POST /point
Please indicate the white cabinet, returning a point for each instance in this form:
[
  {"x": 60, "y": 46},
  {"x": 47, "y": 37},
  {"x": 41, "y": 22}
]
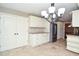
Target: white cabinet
[
  {"x": 14, "y": 31},
  {"x": 8, "y": 30},
  {"x": 75, "y": 18},
  {"x": 36, "y": 22},
  {"x": 38, "y": 39},
  {"x": 38, "y": 31},
  {"x": 22, "y": 31},
  {"x": 73, "y": 43}
]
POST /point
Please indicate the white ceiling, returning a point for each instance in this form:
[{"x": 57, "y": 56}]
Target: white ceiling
[{"x": 36, "y": 8}]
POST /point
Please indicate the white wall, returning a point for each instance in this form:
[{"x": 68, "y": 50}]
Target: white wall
[
  {"x": 0, "y": 33},
  {"x": 60, "y": 30}
]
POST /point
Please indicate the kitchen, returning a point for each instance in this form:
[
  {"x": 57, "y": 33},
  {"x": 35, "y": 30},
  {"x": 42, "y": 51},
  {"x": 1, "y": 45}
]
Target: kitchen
[{"x": 72, "y": 31}]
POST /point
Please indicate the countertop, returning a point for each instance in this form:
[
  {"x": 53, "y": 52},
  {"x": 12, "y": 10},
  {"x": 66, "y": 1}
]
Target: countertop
[
  {"x": 38, "y": 32},
  {"x": 72, "y": 35}
]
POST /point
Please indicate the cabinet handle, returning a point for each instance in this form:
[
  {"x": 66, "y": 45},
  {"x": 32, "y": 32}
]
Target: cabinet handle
[
  {"x": 14, "y": 33},
  {"x": 17, "y": 33}
]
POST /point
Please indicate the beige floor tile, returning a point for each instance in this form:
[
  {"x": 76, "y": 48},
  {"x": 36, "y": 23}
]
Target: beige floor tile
[{"x": 49, "y": 49}]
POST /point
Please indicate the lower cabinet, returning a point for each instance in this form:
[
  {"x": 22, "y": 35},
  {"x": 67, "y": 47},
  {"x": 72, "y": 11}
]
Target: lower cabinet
[
  {"x": 73, "y": 43},
  {"x": 38, "y": 39}
]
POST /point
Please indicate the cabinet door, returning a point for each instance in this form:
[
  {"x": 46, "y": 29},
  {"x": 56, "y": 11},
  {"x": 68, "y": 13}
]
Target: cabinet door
[
  {"x": 22, "y": 31},
  {"x": 38, "y": 39},
  {"x": 36, "y": 22},
  {"x": 8, "y": 40},
  {"x": 75, "y": 18}
]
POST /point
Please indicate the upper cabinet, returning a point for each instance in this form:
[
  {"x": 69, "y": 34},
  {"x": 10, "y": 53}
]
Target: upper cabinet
[
  {"x": 36, "y": 22},
  {"x": 75, "y": 18},
  {"x": 39, "y": 23}
]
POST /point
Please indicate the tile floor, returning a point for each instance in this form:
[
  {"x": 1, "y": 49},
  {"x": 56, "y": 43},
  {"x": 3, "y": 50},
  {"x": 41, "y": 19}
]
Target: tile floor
[{"x": 49, "y": 49}]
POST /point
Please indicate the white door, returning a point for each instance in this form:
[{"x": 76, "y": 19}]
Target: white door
[
  {"x": 22, "y": 31},
  {"x": 9, "y": 30}
]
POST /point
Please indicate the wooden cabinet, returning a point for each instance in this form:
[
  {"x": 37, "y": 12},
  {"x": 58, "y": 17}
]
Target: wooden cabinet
[
  {"x": 14, "y": 31},
  {"x": 69, "y": 30},
  {"x": 75, "y": 18}
]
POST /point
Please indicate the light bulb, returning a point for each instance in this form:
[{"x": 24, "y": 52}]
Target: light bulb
[
  {"x": 61, "y": 11},
  {"x": 46, "y": 15},
  {"x": 54, "y": 15},
  {"x": 43, "y": 13},
  {"x": 51, "y": 9}
]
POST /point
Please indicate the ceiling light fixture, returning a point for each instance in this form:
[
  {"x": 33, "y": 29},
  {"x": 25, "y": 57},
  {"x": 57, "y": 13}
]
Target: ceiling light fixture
[{"x": 53, "y": 14}]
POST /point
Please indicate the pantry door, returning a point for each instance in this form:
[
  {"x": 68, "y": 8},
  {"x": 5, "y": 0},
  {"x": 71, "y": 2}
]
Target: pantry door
[
  {"x": 9, "y": 32},
  {"x": 22, "y": 31}
]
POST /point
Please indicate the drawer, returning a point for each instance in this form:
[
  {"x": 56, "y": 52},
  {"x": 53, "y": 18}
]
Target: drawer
[
  {"x": 73, "y": 49},
  {"x": 73, "y": 44},
  {"x": 38, "y": 39},
  {"x": 73, "y": 38}
]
